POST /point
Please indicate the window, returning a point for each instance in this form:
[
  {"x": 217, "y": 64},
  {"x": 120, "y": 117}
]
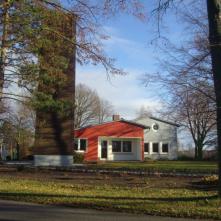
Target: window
[
  {"x": 127, "y": 146},
  {"x": 83, "y": 144},
  {"x": 155, "y": 127},
  {"x": 80, "y": 144},
  {"x": 116, "y": 146},
  {"x": 155, "y": 147},
  {"x": 165, "y": 148},
  {"x": 146, "y": 147},
  {"x": 121, "y": 146},
  {"x": 75, "y": 144}
]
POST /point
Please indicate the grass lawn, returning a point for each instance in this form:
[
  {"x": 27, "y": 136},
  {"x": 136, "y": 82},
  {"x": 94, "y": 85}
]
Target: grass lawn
[
  {"x": 192, "y": 166},
  {"x": 150, "y": 195}
]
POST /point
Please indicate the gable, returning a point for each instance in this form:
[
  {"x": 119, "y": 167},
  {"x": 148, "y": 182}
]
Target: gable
[
  {"x": 148, "y": 121},
  {"x": 112, "y": 129}
]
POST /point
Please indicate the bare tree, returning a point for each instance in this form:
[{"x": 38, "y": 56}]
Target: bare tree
[
  {"x": 4, "y": 27},
  {"x": 189, "y": 65},
  {"x": 197, "y": 114},
  {"x": 214, "y": 21},
  {"x": 90, "y": 108},
  {"x": 104, "y": 110},
  {"x": 23, "y": 122},
  {"x": 17, "y": 130},
  {"x": 144, "y": 111},
  {"x": 86, "y": 102},
  {"x": 187, "y": 80},
  {"x": 214, "y": 18}
]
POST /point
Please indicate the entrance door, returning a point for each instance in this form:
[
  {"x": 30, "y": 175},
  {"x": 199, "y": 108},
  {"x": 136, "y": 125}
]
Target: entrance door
[{"x": 104, "y": 149}]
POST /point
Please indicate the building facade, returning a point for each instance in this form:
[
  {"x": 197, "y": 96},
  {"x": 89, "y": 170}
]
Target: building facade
[
  {"x": 160, "y": 141},
  {"x": 122, "y": 140},
  {"x": 119, "y": 140}
]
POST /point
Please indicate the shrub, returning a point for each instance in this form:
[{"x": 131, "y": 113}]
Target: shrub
[
  {"x": 78, "y": 157},
  {"x": 210, "y": 180},
  {"x": 163, "y": 159},
  {"x": 149, "y": 159},
  {"x": 185, "y": 158}
]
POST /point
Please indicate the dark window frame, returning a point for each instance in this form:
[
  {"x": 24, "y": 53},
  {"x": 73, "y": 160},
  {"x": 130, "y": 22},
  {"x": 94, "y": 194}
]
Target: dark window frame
[
  {"x": 147, "y": 147},
  {"x": 130, "y": 146},
  {"x": 121, "y": 147},
  {"x": 166, "y": 147},
  {"x": 76, "y": 144},
  {"x": 118, "y": 142},
  {"x": 84, "y": 148},
  {"x": 79, "y": 148},
  {"x": 153, "y": 147}
]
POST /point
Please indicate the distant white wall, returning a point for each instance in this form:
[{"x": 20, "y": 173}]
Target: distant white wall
[
  {"x": 167, "y": 133},
  {"x": 171, "y": 155},
  {"x": 135, "y": 154}
]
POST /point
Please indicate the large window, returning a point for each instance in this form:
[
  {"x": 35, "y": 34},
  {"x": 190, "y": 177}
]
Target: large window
[
  {"x": 127, "y": 147},
  {"x": 83, "y": 144},
  {"x": 121, "y": 146},
  {"x": 146, "y": 147},
  {"x": 116, "y": 146},
  {"x": 165, "y": 148},
  {"x": 80, "y": 144},
  {"x": 155, "y": 147}
]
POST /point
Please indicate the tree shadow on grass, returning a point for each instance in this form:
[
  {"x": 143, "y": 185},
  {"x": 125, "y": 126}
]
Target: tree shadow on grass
[
  {"x": 202, "y": 186},
  {"x": 160, "y": 199}
]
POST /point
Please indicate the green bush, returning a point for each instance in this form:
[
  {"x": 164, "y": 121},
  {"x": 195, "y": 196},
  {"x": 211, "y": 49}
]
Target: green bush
[
  {"x": 185, "y": 158},
  {"x": 149, "y": 159},
  {"x": 78, "y": 157}
]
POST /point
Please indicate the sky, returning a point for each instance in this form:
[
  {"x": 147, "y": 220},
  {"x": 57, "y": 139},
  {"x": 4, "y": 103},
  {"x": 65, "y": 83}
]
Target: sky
[{"x": 133, "y": 46}]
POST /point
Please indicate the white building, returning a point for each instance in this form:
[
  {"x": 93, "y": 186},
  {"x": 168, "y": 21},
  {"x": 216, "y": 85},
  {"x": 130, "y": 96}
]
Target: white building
[{"x": 160, "y": 141}]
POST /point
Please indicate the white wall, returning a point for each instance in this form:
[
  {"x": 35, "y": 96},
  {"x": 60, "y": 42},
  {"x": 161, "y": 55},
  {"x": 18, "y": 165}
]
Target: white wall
[
  {"x": 171, "y": 155},
  {"x": 167, "y": 133},
  {"x": 134, "y": 155}
]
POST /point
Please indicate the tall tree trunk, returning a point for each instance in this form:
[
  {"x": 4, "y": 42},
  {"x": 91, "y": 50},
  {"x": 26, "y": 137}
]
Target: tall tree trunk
[
  {"x": 3, "y": 44},
  {"x": 200, "y": 152},
  {"x": 214, "y": 17},
  {"x": 17, "y": 151},
  {"x": 196, "y": 152}
]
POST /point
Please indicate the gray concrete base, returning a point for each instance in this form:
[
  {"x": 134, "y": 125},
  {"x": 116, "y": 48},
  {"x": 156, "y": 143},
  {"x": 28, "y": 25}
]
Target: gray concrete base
[{"x": 53, "y": 160}]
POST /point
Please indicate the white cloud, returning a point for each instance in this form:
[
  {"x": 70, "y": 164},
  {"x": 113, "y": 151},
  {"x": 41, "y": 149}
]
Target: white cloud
[
  {"x": 128, "y": 51},
  {"x": 124, "y": 92}
]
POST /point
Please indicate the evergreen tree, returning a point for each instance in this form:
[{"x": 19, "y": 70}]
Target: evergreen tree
[{"x": 55, "y": 92}]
